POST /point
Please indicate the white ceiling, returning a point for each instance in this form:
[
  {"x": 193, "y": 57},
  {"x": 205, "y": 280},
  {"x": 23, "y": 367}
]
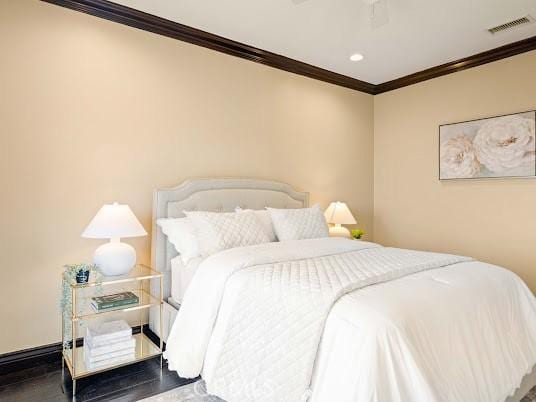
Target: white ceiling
[{"x": 420, "y": 33}]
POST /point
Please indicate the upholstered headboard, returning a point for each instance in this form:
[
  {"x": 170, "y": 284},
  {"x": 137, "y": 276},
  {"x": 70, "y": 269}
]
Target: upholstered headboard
[{"x": 220, "y": 195}]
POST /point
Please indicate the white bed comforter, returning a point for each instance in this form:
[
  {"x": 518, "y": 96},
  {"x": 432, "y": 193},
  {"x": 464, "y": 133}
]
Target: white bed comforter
[{"x": 254, "y": 318}]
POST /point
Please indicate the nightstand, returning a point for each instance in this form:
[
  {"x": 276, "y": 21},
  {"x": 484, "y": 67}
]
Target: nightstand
[{"x": 79, "y": 313}]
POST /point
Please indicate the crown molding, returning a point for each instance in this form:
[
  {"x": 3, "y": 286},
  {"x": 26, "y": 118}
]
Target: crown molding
[
  {"x": 148, "y": 22},
  {"x": 479, "y": 59},
  {"x": 161, "y": 26}
]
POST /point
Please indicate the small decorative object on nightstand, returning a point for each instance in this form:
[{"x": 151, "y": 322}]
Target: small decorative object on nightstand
[
  {"x": 357, "y": 234},
  {"x": 80, "y": 272},
  {"x": 339, "y": 214},
  {"x": 114, "y": 221}
]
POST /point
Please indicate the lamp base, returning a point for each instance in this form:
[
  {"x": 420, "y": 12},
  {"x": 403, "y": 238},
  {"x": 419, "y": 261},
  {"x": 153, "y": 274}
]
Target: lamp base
[
  {"x": 339, "y": 231},
  {"x": 115, "y": 258}
]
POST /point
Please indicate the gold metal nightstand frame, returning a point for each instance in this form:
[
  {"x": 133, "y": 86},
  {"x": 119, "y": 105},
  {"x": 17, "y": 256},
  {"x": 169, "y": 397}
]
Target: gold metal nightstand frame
[{"x": 145, "y": 348}]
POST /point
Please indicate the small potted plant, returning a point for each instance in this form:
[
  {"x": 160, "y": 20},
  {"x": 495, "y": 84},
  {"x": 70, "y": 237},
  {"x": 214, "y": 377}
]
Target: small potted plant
[
  {"x": 80, "y": 272},
  {"x": 357, "y": 233}
]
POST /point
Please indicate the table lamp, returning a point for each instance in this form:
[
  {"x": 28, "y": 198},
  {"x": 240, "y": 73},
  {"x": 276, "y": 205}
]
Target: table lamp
[
  {"x": 114, "y": 221},
  {"x": 338, "y": 214}
]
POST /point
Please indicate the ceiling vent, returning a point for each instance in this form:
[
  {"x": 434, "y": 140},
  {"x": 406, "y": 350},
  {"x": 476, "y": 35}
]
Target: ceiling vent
[{"x": 512, "y": 24}]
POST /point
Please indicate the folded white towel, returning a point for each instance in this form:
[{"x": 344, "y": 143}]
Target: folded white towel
[
  {"x": 104, "y": 333},
  {"x": 110, "y": 362},
  {"x": 127, "y": 343},
  {"x": 89, "y": 357}
]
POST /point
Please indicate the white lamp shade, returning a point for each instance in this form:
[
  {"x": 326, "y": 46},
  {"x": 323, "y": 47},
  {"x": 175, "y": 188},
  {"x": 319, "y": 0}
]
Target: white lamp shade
[
  {"x": 339, "y": 213},
  {"x": 114, "y": 221}
]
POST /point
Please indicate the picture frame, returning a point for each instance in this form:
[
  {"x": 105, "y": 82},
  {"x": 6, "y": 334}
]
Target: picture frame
[{"x": 501, "y": 146}]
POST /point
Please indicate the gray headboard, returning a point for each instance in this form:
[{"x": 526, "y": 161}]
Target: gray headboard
[{"x": 220, "y": 195}]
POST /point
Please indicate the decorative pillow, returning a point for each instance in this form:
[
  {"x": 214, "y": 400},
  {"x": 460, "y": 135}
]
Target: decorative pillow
[
  {"x": 181, "y": 233},
  {"x": 218, "y": 231},
  {"x": 266, "y": 220},
  {"x": 297, "y": 224}
]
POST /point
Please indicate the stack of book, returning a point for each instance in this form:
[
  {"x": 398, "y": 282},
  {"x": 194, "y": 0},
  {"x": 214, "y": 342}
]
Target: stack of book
[
  {"x": 108, "y": 343},
  {"x": 110, "y": 302}
]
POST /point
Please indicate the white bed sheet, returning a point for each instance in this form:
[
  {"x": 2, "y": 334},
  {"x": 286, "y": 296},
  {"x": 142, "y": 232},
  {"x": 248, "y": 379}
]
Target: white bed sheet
[
  {"x": 399, "y": 329},
  {"x": 181, "y": 276},
  {"x": 417, "y": 338}
]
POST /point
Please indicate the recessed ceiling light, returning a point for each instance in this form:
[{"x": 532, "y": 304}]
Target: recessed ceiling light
[{"x": 356, "y": 57}]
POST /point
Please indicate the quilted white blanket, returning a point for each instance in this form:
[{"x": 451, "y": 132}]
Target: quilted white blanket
[{"x": 254, "y": 316}]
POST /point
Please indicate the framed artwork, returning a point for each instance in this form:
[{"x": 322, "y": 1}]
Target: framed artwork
[{"x": 502, "y": 146}]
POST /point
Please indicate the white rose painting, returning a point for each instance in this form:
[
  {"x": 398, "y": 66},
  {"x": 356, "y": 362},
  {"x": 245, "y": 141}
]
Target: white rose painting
[{"x": 503, "y": 146}]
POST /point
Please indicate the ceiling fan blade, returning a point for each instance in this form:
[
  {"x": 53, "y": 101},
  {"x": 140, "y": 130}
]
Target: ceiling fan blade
[{"x": 379, "y": 13}]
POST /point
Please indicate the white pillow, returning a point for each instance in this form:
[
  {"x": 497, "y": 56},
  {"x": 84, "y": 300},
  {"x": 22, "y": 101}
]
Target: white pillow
[
  {"x": 218, "y": 231},
  {"x": 181, "y": 233},
  {"x": 266, "y": 220},
  {"x": 297, "y": 224}
]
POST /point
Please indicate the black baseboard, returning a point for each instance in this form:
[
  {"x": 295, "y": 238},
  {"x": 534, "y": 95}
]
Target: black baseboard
[{"x": 26, "y": 358}]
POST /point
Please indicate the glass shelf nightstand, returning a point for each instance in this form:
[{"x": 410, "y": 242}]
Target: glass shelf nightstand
[{"x": 79, "y": 312}]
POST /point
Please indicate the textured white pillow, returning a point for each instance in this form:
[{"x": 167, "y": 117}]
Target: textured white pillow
[
  {"x": 266, "y": 220},
  {"x": 181, "y": 232},
  {"x": 218, "y": 231},
  {"x": 297, "y": 224}
]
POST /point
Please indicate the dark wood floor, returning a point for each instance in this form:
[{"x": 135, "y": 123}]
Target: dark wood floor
[{"x": 42, "y": 382}]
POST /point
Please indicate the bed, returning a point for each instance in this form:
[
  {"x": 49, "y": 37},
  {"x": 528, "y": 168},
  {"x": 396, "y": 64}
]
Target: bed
[{"x": 328, "y": 319}]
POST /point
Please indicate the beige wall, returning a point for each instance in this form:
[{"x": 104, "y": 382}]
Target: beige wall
[
  {"x": 92, "y": 111},
  {"x": 492, "y": 220}
]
